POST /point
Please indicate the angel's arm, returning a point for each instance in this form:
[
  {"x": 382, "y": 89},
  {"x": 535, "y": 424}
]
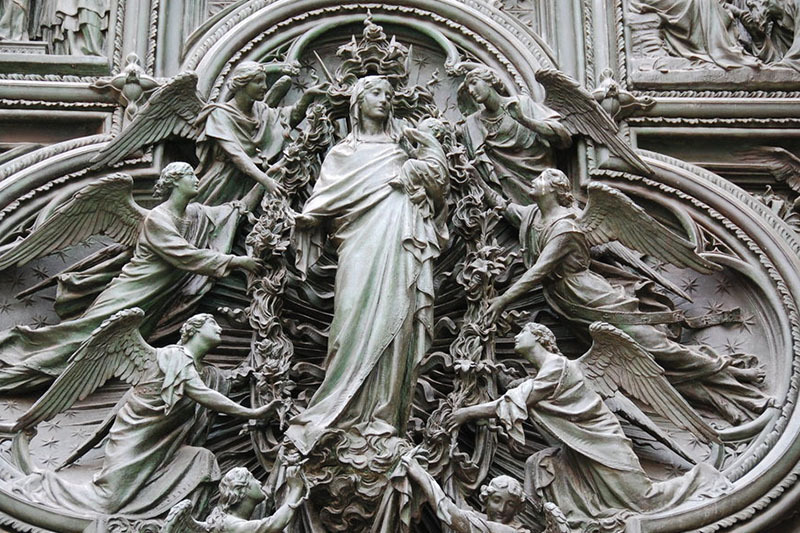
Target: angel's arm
[
  {"x": 480, "y": 411},
  {"x": 511, "y": 211},
  {"x": 298, "y": 110},
  {"x": 165, "y": 240},
  {"x": 554, "y": 252},
  {"x": 251, "y": 199},
  {"x": 445, "y": 509},
  {"x": 549, "y": 127},
  {"x": 278, "y": 521},
  {"x": 211, "y": 399},
  {"x": 245, "y": 164}
]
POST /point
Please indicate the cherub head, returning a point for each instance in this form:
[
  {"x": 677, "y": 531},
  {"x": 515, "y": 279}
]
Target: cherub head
[
  {"x": 236, "y": 486},
  {"x": 553, "y": 181},
  {"x": 435, "y": 127},
  {"x": 176, "y": 174},
  {"x": 503, "y": 498},
  {"x": 202, "y": 327}
]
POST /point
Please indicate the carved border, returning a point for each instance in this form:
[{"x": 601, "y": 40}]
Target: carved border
[
  {"x": 114, "y": 55},
  {"x": 621, "y": 43},
  {"x": 782, "y": 285},
  {"x": 526, "y": 43}
]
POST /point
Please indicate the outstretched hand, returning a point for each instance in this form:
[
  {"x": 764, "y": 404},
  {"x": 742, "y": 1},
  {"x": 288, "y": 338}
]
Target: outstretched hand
[
  {"x": 248, "y": 264},
  {"x": 496, "y": 307},
  {"x": 265, "y": 410},
  {"x": 455, "y": 420},
  {"x": 273, "y": 187}
]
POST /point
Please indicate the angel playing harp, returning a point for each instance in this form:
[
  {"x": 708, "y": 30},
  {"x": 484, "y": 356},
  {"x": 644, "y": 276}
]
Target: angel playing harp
[
  {"x": 178, "y": 247},
  {"x": 558, "y": 237},
  {"x": 237, "y": 140},
  {"x": 511, "y": 139},
  {"x": 592, "y": 473},
  {"x": 147, "y": 465}
]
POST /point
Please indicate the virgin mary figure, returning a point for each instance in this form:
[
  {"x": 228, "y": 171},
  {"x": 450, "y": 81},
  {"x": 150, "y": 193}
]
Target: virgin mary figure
[{"x": 386, "y": 241}]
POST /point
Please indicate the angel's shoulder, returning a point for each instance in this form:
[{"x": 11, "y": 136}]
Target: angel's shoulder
[{"x": 173, "y": 358}]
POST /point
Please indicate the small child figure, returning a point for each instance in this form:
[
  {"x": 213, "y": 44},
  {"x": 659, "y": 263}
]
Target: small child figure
[{"x": 422, "y": 176}]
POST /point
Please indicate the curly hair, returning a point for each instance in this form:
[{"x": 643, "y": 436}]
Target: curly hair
[
  {"x": 232, "y": 490},
  {"x": 508, "y": 484},
  {"x": 169, "y": 177},
  {"x": 193, "y": 325},
  {"x": 244, "y": 73},
  {"x": 561, "y": 186},
  {"x": 543, "y": 335}
]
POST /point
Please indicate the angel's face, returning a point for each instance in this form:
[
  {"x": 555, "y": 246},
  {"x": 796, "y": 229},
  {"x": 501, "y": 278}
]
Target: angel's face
[
  {"x": 501, "y": 506},
  {"x": 525, "y": 341},
  {"x": 189, "y": 184},
  {"x": 256, "y": 88},
  {"x": 479, "y": 89},
  {"x": 254, "y": 490},
  {"x": 541, "y": 186},
  {"x": 211, "y": 332}
]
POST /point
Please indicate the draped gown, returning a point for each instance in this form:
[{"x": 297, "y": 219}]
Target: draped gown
[
  {"x": 169, "y": 268},
  {"x": 383, "y": 308}
]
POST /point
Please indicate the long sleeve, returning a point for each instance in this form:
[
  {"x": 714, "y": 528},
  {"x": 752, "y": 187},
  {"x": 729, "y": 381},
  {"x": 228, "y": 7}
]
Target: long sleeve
[{"x": 164, "y": 239}]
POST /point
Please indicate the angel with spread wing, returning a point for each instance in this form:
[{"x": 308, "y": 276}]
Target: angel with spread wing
[
  {"x": 511, "y": 139},
  {"x": 177, "y": 247},
  {"x": 147, "y": 465},
  {"x": 592, "y": 473},
  {"x": 557, "y": 239},
  {"x": 237, "y": 140},
  {"x": 239, "y": 494}
]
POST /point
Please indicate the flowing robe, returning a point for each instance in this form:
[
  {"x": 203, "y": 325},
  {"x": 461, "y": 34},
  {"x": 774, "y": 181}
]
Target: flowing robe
[
  {"x": 170, "y": 264},
  {"x": 783, "y": 41},
  {"x": 261, "y": 137},
  {"x": 514, "y": 153},
  {"x": 576, "y": 292},
  {"x": 698, "y": 30},
  {"x": 147, "y": 468},
  {"x": 75, "y": 27},
  {"x": 593, "y": 475},
  {"x": 383, "y": 307}
]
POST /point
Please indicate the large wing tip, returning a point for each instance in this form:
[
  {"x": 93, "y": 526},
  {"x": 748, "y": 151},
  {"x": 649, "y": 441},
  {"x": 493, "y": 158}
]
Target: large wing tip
[
  {"x": 600, "y": 328},
  {"x": 132, "y": 316}
]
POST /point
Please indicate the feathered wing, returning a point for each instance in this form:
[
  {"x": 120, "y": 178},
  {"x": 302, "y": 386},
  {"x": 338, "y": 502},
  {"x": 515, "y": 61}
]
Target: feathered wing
[
  {"x": 615, "y": 361},
  {"x": 782, "y": 164},
  {"x": 581, "y": 114},
  {"x": 104, "y": 207},
  {"x": 114, "y": 349},
  {"x": 611, "y": 216},
  {"x": 278, "y": 91},
  {"x": 171, "y": 111},
  {"x": 179, "y": 520}
]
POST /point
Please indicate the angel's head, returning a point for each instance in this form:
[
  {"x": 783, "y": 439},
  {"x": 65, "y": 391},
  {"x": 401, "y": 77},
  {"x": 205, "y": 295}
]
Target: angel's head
[
  {"x": 176, "y": 175},
  {"x": 236, "y": 486},
  {"x": 480, "y": 82},
  {"x": 249, "y": 76},
  {"x": 201, "y": 329},
  {"x": 533, "y": 337},
  {"x": 553, "y": 181},
  {"x": 503, "y": 498}
]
